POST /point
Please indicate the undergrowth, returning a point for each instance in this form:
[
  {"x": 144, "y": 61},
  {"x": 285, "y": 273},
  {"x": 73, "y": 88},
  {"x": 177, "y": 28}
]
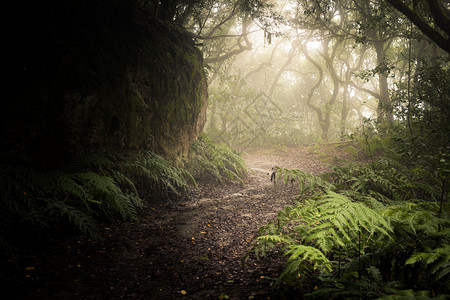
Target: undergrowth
[
  {"x": 93, "y": 188},
  {"x": 362, "y": 231},
  {"x": 98, "y": 187},
  {"x": 215, "y": 162}
]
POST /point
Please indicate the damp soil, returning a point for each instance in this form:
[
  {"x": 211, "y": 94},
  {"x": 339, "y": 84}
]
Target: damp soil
[{"x": 192, "y": 248}]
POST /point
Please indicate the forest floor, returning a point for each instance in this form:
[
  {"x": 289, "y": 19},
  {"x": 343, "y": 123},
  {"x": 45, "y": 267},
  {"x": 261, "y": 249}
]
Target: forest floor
[{"x": 190, "y": 249}]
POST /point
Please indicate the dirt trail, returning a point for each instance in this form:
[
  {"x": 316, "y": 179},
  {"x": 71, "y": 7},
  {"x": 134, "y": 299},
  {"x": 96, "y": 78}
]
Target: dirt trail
[{"x": 191, "y": 250}]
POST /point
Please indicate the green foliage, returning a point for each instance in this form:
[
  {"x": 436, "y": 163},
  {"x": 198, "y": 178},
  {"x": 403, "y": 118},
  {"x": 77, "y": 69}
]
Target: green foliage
[
  {"x": 216, "y": 162},
  {"x": 410, "y": 294},
  {"x": 424, "y": 111},
  {"x": 154, "y": 169},
  {"x": 307, "y": 183},
  {"x": 362, "y": 230},
  {"x": 314, "y": 230},
  {"x": 437, "y": 259},
  {"x": 351, "y": 151},
  {"x": 92, "y": 188}
]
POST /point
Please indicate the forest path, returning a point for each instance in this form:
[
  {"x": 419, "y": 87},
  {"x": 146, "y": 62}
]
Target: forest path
[{"x": 192, "y": 249}]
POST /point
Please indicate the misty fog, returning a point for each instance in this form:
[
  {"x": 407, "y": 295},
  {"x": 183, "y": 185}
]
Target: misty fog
[{"x": 293, "y": 74}]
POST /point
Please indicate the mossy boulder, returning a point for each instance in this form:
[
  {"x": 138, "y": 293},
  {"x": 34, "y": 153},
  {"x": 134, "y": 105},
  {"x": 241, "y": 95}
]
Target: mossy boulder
[{"x": 109, "y": 81}]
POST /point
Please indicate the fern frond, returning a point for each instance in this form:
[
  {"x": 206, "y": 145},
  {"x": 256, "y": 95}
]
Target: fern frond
[
  {"x": 275, "y": 239},
  {"x": 352, "y": 215},
  {"x": 438, "y": 258},
  {"x": 93, "y": 162},
  {"x": 415, "y": 217},
  {"x": 105, "y": 192},
  {"x": 72, "y": 187},
  {"x": 209, "y": 160},
  {"x": 124, "y": 181},
  {"x": 80, "y": 220},
  {"x": 157, "y": 170},
  {"x": 301, "y": 254}
]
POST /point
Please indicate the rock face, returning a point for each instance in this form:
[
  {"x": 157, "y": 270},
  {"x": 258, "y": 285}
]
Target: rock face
[
  {"x": 160, "y": 105},
  {"x": 121, "y": 86},
  {"x": 173, "y": 91}
]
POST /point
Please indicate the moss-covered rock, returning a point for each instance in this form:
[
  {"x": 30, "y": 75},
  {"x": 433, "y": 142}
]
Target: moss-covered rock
[{"x": 101, "y": 81}]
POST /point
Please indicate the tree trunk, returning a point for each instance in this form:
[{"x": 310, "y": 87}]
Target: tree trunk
[
  {"x": 384, "y": 110},
  {"x": 344, "y": 111}
]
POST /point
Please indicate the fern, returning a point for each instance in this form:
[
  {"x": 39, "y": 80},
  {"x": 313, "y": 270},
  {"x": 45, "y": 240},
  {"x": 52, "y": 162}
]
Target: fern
[
  {"x": 438, "y": 259},
  {"x": 302, "y": 259},
  {"x": 275, "y": 239},
  {"x": 106, "y": 193},
  {"x": 417, "y": 217},
  {"x": 301, "y": 253},
  {"x": 93, "y": 187},
  {"x": 267, "y": 240},
  {"x": 311, "y": 233},
  {"x": 347, "y": 215},
  {"x": 352, "y": 286},
  {"x": 154, "y": 169},
  {"x": 96, "y": 162},
  {"x": 306, "y": 182},
  {"x": 366, "y": 220},
  {"x": 383, "y": 226},
  {"x": 80, "y": 220},
  {"x": 87, "y": 190},
  {"x": 364, "y": 179},
  {"x": 386, "y": 181},
  {"x": 71, "y": 185},
  {"x": 217, "y": 162},
  {"x": 125, "y": 183}
]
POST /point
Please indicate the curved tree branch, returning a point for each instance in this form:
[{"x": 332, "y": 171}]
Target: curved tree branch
[
  {"x": 316, "y": 85},
  {"x": 423, "y": 26},
  {"x": 266, "y": 63},
  {"x": 440, "y": 15},
  {"x": 288, "y": 61},
  {"x": 242, "y": 48}
]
